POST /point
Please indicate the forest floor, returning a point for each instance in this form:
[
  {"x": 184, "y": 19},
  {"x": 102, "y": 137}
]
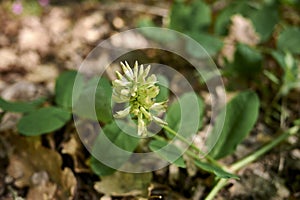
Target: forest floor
[{"x": 35, "y": 49}]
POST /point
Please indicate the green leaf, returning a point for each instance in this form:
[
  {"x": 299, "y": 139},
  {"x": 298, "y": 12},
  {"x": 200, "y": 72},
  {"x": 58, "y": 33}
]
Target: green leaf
[
  {"x": 43, "y": 121},
  {"x": 64, "y": 88},
  {"x": 272, "y": 77},
  {"x": 291, "y": 71},
  {"x": 247, "y": 61},
  {"x": 214, "y": 169},
  {"x": 103, "y": 101},
  {"x": 295, "y": 3},
  {"x": 233, "y": 124},
  {"x": 167, "y": 151},
  {"x": 264, "y": 21},
  {"x": 211, "y": 44},
  {"x": 183, "y": 116},
  {"x": 289, "y": 40},
  {"x": 163, "y": 85},
  {"x": 22, "y": 107},
  {"x": 223, "y": 19},
  {"x": 32, "y": 8},
  {"x": 151, "y": 31},
  {"x": 279, "y": 57},
  {"x": 113, "y": 147},
  {"x": 98, "y": 105},
  {"x": 99, "y": 168},
  {"x": 181, "y": 15}
]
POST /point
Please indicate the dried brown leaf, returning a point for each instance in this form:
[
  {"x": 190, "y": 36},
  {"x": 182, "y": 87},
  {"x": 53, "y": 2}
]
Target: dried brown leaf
[
  {"x": 58, "y": 24},
  {"x": 38, "y": 167},
  {"x": 33, "y": 36},
  {"x": 73, "y": 147},
  {"x": 241, "y": 30},
  {"x": 42, "y": 192},
  {"x": 67, "y": 185},
  {"x": 121, "y": 183},
  {"x": 29, "y": 157},
  {"x": 8, "y": 58},
  {"x": 43, "y": 73}
]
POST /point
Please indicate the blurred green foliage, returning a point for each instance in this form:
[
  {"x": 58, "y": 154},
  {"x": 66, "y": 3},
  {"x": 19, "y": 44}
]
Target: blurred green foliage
[{"x": 209, "y": 25}]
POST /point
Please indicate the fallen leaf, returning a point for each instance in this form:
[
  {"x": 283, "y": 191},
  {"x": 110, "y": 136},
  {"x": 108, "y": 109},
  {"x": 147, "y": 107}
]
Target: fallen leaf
[
  {"x": 28, "y": 157},
  {"x": 38, "y": 167},
  {"x": 125, "y": 41},
  {"x": 9, "y": 121},
  {"x": 29, "y": 60},
  {"x": 74, "y": 148},
  {"x": 42, "y": 192},
  {"x": 23, "y": 91},
  {"x": 67, "y": 185},
  {"x": 33, "y": 29},
  {"x": 43, "y": 73},
  {"x": 4, "y": 41},
  {"x": 68, "y": 54},
  {"x": 8, "y": 58},
  {"x": 121, "y": 183},
  {"x": 91, "y": 28},
  {"x": 241, "y": 30},
  {"x": 58, "y": 24}
]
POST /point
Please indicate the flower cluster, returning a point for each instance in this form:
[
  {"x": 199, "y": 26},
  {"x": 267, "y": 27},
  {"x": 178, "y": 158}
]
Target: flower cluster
[{"x": 138, "y": 89}]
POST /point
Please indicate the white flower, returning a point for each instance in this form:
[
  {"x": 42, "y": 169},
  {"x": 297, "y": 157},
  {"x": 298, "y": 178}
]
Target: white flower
[{"x": 138, "y": 89}]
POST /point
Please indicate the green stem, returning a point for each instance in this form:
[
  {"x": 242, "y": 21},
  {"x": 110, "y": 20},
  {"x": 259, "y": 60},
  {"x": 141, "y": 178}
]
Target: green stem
[
  {"x": 188, "y": 151},
  {"x": 221, "y": 183},
  {"x": 271, "y": 105},
  {"x": 194, "y": 147},
  {"x": 250, "y": 158}
]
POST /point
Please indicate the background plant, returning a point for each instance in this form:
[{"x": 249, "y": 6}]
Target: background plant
[{"x": 264, "y": 71}]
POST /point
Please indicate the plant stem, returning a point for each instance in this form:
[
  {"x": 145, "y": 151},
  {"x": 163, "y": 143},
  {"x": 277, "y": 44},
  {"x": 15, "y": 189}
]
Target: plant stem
[
  {"x": 221, "y": 183},
  {"x": 271, "y": 105},
  {"x": 250, "y": 158},
  {"x": 194, "y": 147}
]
